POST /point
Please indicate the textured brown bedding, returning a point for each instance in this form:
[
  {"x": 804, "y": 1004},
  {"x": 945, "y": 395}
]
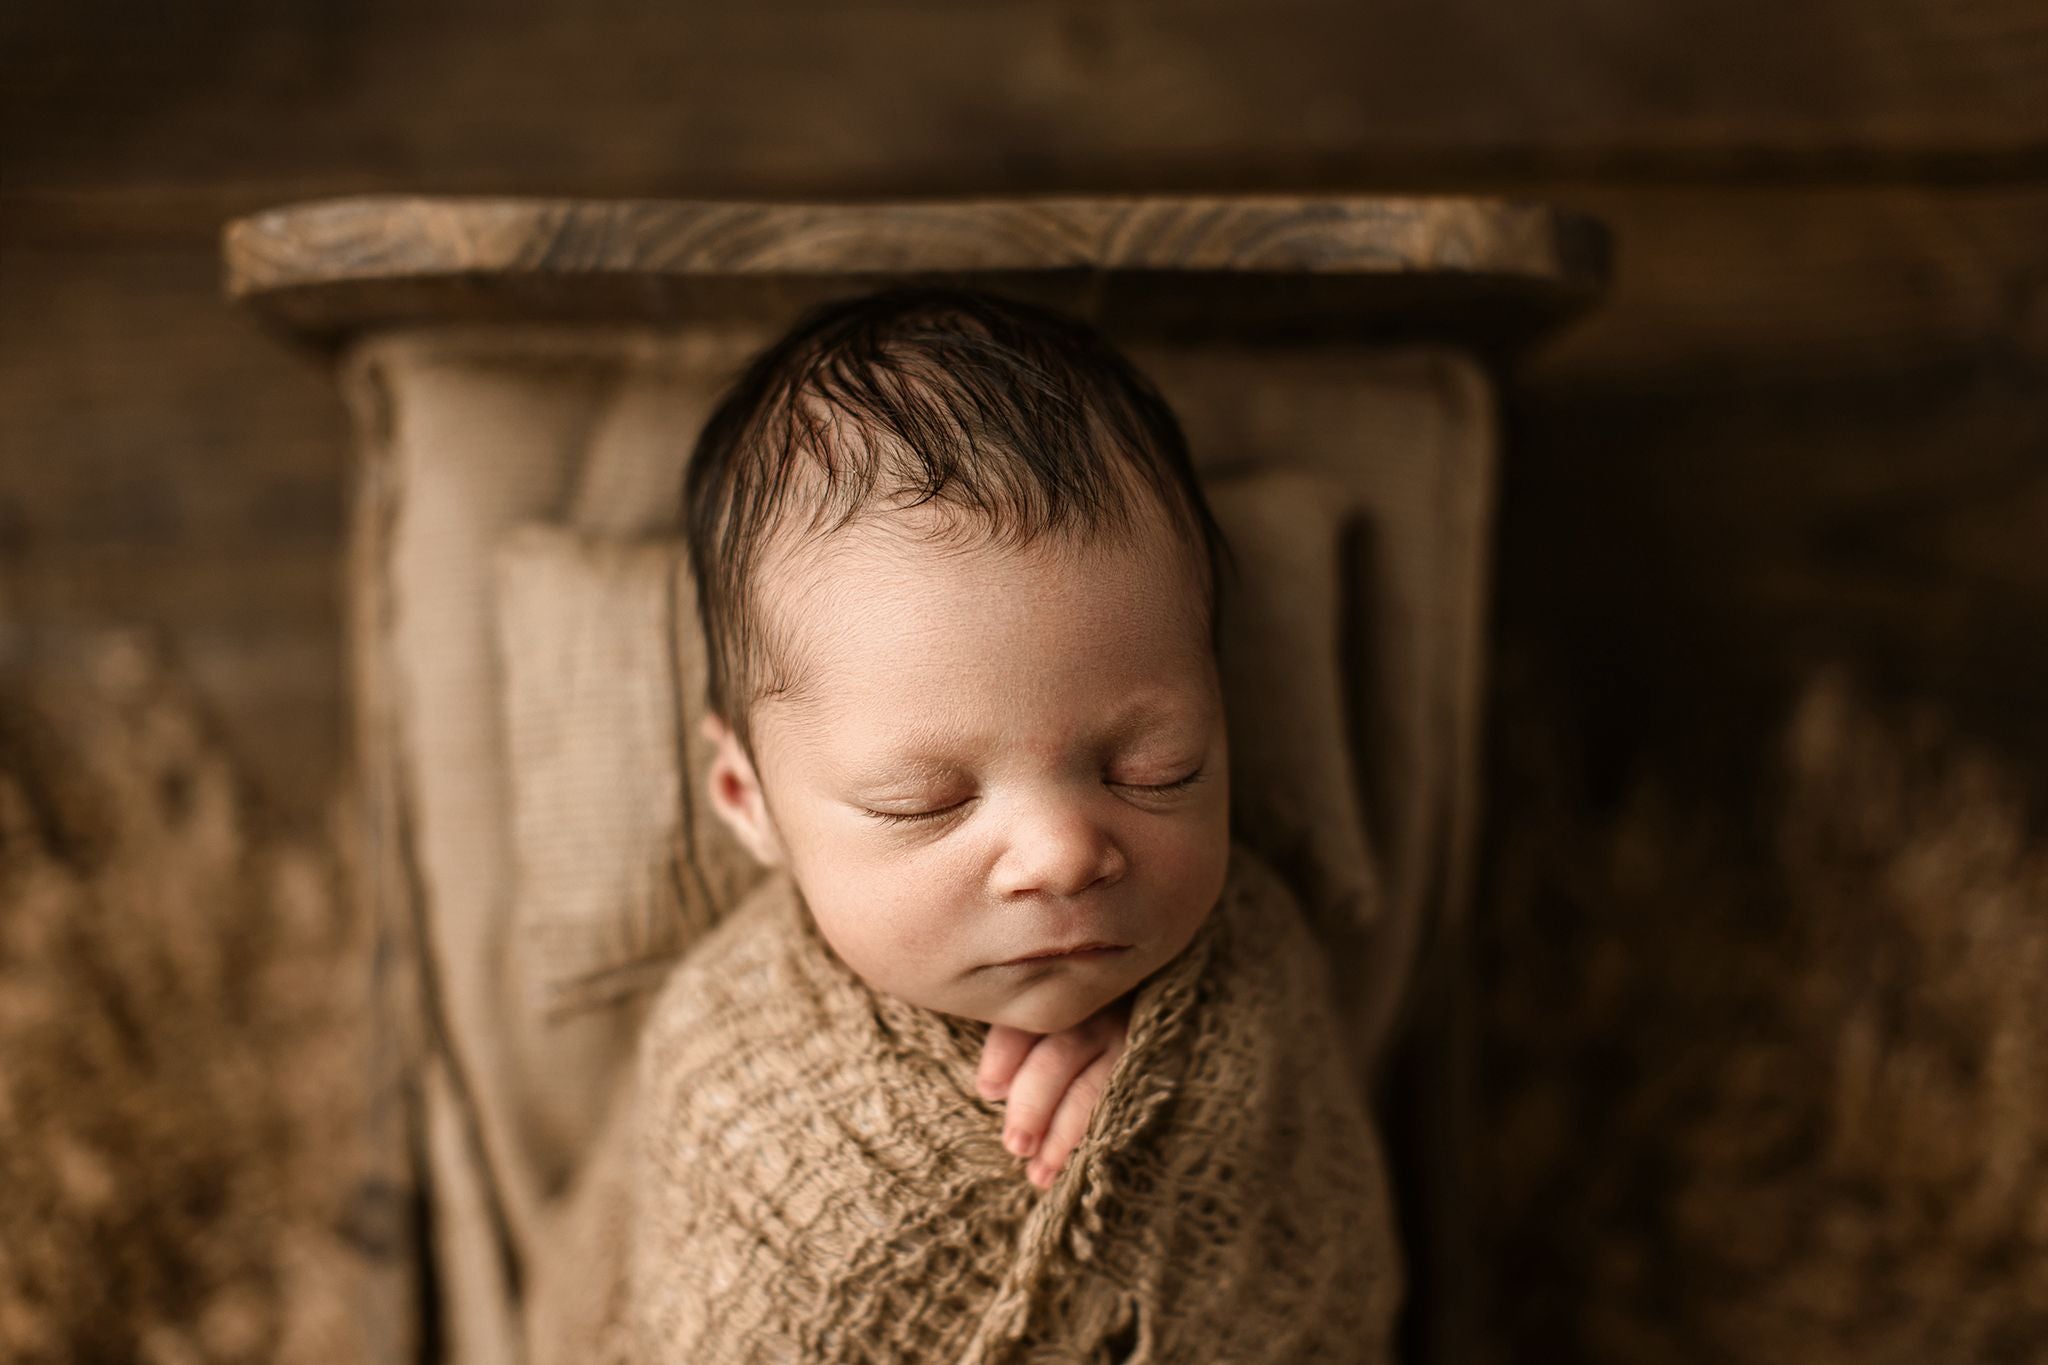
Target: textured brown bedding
[{"x": 806, "y": 1173}]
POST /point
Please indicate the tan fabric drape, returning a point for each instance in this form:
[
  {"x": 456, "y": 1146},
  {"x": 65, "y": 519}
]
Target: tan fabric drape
[{"x": 806, "y": 1173}]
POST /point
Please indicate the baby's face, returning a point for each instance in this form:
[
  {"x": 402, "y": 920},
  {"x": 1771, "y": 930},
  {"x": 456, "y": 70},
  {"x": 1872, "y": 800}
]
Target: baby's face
[{"x": 994, "y": 754}]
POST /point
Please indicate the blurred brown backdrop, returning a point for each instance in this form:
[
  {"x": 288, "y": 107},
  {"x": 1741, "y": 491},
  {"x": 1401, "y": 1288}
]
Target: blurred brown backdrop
[{"x": 1761, "y": 945}]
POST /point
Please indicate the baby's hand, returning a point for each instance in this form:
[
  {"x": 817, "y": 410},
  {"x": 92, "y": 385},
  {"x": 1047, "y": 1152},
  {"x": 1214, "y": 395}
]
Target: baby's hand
[{"x": 1051, "y": 1083}]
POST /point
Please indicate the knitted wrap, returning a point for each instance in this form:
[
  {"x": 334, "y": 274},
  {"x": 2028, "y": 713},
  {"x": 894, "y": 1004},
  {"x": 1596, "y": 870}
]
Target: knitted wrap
[{"x": 815, "y": 1179}]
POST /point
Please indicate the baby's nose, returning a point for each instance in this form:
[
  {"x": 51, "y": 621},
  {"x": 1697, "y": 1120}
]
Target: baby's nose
[{"x": 1057, "y": 851}]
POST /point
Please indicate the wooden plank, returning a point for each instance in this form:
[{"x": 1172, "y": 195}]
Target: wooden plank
[
  {"x": 1806, "y": 427},
  {"x": 163, "y": 467},
  {"x": 1476, "y": 268},
  {"x": 818, "y": 99},
  {"x": 133, "y": 401},
  {"x": 1681, "y": 557},
  {"x": 1761, "y": 283}
]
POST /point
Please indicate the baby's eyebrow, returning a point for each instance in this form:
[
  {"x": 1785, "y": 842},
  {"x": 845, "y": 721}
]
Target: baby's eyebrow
[
  {"x": 912, "y": 767},
  {"x": 1148, "y": 714},
  {"x": 923, "y": 755}
]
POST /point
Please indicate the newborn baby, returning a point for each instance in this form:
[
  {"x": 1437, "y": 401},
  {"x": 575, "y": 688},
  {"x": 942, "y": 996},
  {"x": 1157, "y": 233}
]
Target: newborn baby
[
  {"x": 958, "y": 584},
  {"x": 974, "y": 697}
]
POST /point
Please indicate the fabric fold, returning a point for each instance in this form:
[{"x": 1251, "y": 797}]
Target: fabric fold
[{"x": 811, "y": 1176}]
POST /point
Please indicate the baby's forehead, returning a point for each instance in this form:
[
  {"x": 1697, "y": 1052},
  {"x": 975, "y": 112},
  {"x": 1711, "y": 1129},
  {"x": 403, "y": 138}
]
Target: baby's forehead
[
  {"x": 887, "y": 552},
  {"x": 922, "y": 599}
]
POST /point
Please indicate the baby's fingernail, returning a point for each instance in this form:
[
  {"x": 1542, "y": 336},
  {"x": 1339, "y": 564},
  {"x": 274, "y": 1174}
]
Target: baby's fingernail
[
  {"x": 1021, "y": 1144},
  {"x": 1039, "y": 1175}
]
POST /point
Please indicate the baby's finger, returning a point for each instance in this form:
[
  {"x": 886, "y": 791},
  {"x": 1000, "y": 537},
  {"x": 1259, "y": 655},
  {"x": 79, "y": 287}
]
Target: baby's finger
[
  {"x": 1070, "y": 1122},
  {"x": 1040, "y": 1084},
  {"x": 1001, "y": 1055}
]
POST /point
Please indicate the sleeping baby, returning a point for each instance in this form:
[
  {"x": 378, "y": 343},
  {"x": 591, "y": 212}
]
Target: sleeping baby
[{"x": 1014, "y": 1055}]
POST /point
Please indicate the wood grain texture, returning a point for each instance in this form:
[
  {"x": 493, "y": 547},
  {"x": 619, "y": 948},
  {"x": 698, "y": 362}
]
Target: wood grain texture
[
  {"x": 896, "y": 97},
  {"x": 1442, "y": 266},
  {"x": 1716, "y": 285}
]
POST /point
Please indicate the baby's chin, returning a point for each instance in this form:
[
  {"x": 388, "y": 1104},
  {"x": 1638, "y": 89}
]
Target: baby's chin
[{"x": 1052, "y": 1006}]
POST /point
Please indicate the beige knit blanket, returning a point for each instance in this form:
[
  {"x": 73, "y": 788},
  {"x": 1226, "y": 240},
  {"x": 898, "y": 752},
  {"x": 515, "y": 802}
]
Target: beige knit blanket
[{"x": 814, "y": 1178}]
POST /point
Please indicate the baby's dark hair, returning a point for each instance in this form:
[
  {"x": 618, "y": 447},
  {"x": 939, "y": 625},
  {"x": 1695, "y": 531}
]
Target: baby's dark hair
[{"x": 1027, "y": 421}]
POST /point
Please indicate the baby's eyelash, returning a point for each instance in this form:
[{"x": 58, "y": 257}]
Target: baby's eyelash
[
  {"x": 1172, "y": 786},
  {"x": 891, "y": 817}
]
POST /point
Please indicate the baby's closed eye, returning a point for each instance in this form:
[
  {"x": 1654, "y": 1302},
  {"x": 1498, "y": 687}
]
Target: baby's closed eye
[{"x": 915, "y": 813}]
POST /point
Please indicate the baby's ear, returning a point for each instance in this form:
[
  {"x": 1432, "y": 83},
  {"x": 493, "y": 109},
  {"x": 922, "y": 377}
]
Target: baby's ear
[{"x": 735, "y": 791}]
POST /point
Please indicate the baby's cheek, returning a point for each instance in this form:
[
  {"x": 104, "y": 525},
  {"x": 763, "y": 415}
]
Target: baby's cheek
[
  {"x": 900, "y": 947},
  {"x": 1192, "y": 849},
  {"x": 1192, "y": 881}
]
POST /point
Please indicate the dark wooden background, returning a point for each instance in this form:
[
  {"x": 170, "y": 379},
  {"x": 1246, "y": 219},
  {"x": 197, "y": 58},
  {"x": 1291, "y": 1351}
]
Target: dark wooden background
[
  {"x": 1810, "y": 422},
  {"x": 1809, "y": 429}
]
